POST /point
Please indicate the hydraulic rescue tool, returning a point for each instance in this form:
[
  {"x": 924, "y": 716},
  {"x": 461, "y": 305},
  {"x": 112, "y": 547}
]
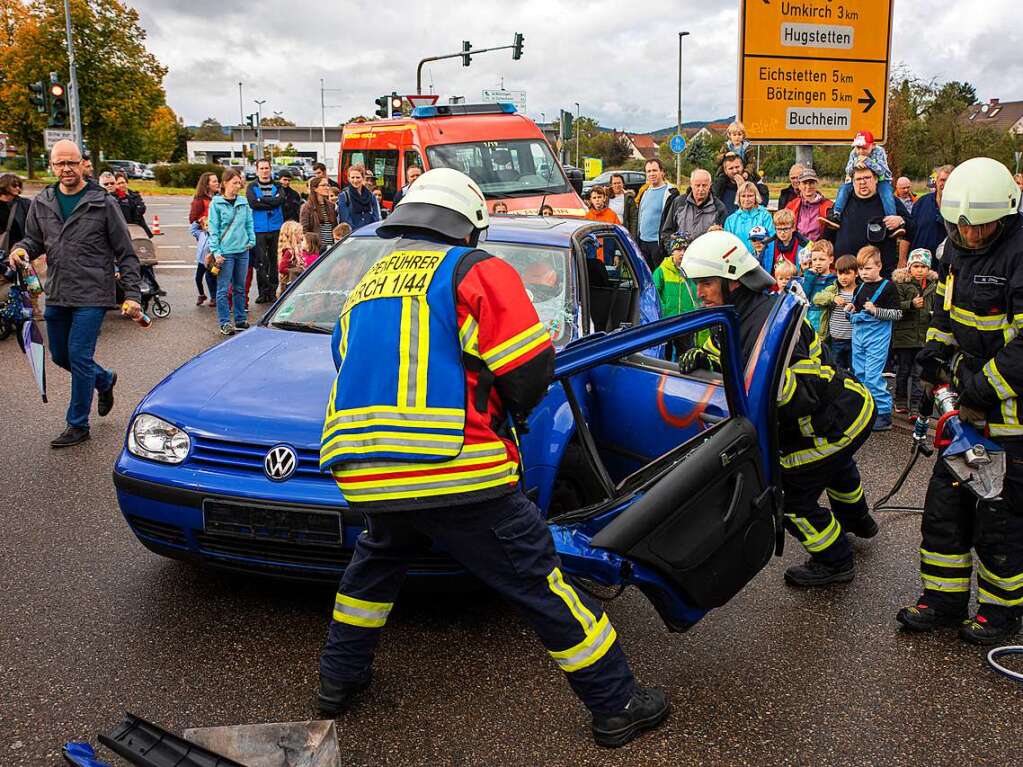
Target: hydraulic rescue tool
[{"x": 977, "y": 462}]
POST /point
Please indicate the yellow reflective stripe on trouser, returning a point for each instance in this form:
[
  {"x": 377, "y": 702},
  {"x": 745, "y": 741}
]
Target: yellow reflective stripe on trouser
[
  {"x": 946, "y": 560},
  {"x": 952, "y": 585},
  {"x": 854, "y": 496},
  {"x": 360, "y": 612},
  {"x": 997, "y": 380},
  {"x": 599, "y": 635},
  {"x": 933, "y": 334},
  {"x": 816, "y": 541},
  {"x": 1012, "y": 585}
]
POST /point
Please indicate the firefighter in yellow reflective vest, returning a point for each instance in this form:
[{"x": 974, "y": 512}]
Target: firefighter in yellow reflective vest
[
  {"x": 974, "y": 343},
  {"x": 438, "y": 348},
  {"x": 824, "y": 414}
]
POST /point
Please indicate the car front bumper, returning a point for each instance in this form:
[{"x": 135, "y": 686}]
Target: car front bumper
[{"x": 246, "y": 523}]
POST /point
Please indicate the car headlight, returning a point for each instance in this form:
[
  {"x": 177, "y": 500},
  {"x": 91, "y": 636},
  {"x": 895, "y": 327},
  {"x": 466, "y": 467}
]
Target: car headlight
[{"x": 153, "y": 438}]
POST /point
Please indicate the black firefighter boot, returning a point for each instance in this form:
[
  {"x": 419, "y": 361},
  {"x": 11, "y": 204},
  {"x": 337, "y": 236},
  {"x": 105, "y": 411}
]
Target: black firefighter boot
[
  {"x": 335, "y": 698},
  {"x": 991, "y": 625},
  {"x": 923, "y": 617},
  {"x": 647, "y": 708},
  {"x": 816, "y": 572}
]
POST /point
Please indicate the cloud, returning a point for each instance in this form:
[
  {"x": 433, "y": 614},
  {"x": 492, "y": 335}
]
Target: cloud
[{"x": 619, "y": 61}]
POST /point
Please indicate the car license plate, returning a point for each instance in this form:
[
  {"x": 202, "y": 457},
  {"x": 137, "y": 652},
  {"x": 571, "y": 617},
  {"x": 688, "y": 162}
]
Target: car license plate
[{"x": 292, "y": 524}]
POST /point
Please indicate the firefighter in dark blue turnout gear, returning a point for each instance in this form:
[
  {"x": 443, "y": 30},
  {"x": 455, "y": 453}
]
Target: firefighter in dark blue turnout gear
[
  {"x": 438, "y": 349},
  {"x": 974, "y": 342},
  {"x": 824, "y": 414}
]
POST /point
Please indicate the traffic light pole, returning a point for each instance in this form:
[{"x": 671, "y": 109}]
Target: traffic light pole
[
  {"x": 76, "y": 113},
  {"x": 460, "y": 54}
]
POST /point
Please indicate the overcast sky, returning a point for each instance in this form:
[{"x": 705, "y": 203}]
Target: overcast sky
[{"x": 618, "y": 59}]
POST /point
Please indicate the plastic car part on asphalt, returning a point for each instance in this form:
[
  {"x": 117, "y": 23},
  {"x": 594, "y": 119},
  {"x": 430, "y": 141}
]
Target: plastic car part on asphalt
[{"x": 277, "y": 744}]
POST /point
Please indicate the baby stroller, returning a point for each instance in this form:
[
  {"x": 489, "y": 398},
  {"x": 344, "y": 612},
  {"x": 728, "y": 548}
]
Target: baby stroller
[{"x": 148, "y": 285}]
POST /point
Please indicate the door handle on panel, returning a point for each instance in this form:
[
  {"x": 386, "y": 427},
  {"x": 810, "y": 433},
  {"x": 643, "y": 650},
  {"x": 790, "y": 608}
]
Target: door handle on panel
[{"x": 736, "y": 497}]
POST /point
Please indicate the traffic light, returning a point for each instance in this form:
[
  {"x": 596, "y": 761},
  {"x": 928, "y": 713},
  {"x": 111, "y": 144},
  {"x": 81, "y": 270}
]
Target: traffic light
[
  {"x": 517, "y": 46},
  {"x": 383, "y": 107},
  {"x": 58, "y": 104},
  {"x": 253, "y": 120},
  {"x": 396, "y": 102},
  {"x": 466, "y": 58},
  {"x": 566, "y": 124},
  {"x": 38, "y": 95}
]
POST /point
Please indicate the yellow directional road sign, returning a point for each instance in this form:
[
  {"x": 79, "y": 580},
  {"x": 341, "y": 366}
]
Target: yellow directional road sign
[{"x": 814, "y": 71}]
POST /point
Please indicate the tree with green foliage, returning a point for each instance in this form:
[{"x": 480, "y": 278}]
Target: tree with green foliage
[
  {"x": 120, "y": 82},
  {"x": 209, "y": 129},
  {"x": 276, "y": 122}
]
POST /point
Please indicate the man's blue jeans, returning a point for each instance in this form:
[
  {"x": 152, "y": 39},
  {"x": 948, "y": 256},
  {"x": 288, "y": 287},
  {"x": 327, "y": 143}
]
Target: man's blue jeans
[
  {"x": 232, "y": 273},
  {"x": 72, "y": 333}
]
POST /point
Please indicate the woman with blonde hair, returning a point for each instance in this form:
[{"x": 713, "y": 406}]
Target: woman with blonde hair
[
  {"x": 290, "y": 263},
  {"x": 749, "y": 214}
]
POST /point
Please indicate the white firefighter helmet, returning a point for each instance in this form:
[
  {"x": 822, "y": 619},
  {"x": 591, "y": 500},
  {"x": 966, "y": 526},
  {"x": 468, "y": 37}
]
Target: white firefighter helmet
[
  {"x": 979, "y": 191},
  {"x": 722, "y": 254},
  {"x": 441, "y": 200}
]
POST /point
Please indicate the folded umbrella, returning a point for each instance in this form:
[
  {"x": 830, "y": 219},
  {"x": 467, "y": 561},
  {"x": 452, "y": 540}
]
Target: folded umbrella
[{"x": 30, "y": 338}]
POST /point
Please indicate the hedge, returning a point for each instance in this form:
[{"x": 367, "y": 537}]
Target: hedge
[{"x": 184, "y": 174}]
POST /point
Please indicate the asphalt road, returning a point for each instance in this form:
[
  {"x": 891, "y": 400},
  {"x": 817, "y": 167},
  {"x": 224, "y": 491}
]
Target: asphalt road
[{"x": 92, "y": 624}]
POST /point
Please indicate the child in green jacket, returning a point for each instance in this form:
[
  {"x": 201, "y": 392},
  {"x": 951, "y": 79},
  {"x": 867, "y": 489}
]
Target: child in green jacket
[
  {"x": 917, "y": 284},
  {"x": 675, "y": 292}
]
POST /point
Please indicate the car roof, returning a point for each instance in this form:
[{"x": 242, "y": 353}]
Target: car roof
[{"x": 550, "y": 231}]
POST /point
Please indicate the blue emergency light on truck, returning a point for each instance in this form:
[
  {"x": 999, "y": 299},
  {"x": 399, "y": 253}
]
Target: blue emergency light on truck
[{"x": 648, "y": 477}]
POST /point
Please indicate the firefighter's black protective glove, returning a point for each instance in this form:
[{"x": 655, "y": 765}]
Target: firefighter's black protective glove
[{"x": 693, "y": 359}]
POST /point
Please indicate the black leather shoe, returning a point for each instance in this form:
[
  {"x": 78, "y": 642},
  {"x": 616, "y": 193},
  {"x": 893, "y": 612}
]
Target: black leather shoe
[
  {"x": 989, "y": 630},
  {"x": 335, "y": 698},
  {"x": 243, "y": 325},
  {"x": 645, "y": 711},
  {"x": 922, "y": 617},
  {"x": 72, "y": 435},
  {"x": 105, "y": 399},
  {"x": 816, "y": 573},
  {"x": 262, "y": 300}
]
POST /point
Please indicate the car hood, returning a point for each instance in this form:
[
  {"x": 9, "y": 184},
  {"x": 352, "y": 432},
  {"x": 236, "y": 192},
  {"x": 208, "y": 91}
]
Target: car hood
[{"x": 262, "y": 385}]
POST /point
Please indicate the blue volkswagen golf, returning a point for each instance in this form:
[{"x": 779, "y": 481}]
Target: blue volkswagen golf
[{"x": 648, "y": 477}]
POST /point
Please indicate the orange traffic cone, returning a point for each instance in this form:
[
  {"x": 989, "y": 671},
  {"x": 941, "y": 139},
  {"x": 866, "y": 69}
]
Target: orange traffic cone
[{"x": 156, "y": 226}]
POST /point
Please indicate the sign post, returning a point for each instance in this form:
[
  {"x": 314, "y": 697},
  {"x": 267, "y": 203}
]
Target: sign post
[
  {"x": 678, "y": 143},
  {"x": 814, "y": 72},
  {"x": 52, "y": 135}
]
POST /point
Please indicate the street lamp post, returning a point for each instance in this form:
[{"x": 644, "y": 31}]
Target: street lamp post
[
  {"x": 259, "y": 127},
  {"x": 678, "y": 156},
  {"x": 278, "y": 115},
  {"x": 241, "y": 124},
  {"x": 577, "y": 134}
]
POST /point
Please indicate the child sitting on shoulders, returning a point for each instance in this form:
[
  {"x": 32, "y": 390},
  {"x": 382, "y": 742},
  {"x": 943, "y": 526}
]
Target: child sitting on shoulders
[{"x": 874, "y": 157}]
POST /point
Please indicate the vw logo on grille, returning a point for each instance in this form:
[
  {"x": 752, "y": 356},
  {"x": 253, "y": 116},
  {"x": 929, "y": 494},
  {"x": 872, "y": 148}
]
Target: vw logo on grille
[{"x": 280, "y": 463}]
